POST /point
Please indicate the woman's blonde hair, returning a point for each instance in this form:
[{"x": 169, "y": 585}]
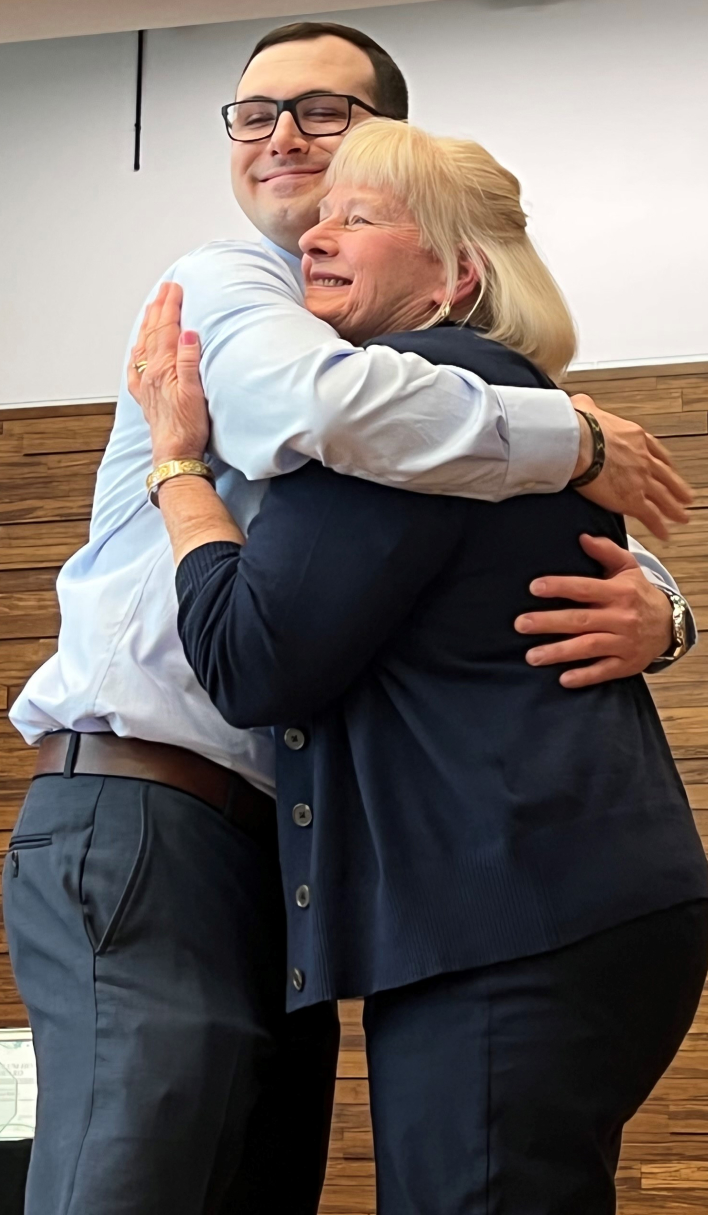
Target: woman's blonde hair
[{"x": 464, "y": 201}]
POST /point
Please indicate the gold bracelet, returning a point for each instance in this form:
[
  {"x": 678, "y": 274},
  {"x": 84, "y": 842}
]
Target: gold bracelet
[{"x": 175, "y": 468}]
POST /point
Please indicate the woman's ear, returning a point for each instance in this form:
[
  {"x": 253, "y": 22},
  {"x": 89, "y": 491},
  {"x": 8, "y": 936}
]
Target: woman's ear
[{"x": 467, "y": 281}]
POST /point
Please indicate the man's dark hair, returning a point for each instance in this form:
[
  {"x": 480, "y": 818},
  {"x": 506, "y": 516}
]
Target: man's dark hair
[{"x": 390, "y": 90}]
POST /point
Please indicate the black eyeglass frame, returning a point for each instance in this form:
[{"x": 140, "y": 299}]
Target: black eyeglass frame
[{"x": 290, "y": 107}]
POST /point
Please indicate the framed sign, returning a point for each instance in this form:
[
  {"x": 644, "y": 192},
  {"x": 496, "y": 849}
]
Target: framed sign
[{"x": 18, "y": 1084}]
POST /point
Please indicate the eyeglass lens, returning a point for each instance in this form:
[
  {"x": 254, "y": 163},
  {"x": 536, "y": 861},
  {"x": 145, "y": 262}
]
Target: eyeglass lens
[{"x": 320, "y": 115}]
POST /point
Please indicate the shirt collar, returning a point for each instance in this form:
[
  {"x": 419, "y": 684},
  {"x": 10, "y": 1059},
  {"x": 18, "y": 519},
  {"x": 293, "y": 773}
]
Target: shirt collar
[{"x": 289, "y": 258}]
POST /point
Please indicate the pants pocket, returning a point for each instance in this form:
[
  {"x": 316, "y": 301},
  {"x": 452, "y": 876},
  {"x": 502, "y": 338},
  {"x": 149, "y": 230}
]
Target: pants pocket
[
  {"x": 23, "y": 843},
  {"x": 18, "y": 842},
  {"x": 114, "y": 861}
]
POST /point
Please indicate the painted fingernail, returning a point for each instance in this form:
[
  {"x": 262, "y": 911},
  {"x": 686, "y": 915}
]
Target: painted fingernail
[
  {"x": 188, "y": 337},
  {"x": 538, "y": 586},
  {"x": 523, "y": 624}
]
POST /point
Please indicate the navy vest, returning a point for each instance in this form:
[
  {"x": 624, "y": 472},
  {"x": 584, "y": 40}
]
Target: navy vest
[{"x": 441, "y": 804}]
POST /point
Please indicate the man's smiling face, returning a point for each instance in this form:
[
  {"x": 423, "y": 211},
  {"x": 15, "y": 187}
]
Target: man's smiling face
[{"x": 279, "y": 182}]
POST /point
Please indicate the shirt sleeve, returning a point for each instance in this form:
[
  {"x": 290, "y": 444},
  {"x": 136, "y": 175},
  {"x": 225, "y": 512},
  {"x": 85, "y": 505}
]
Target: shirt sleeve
[
  {"x": 281, "y": 627},
  {"x": 658, "y": 575},
  {"x": 283, "y": 387}
]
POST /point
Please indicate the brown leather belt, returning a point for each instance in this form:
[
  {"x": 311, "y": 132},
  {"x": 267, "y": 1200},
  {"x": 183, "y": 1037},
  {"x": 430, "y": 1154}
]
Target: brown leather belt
[{"x": 68, "y": 753}]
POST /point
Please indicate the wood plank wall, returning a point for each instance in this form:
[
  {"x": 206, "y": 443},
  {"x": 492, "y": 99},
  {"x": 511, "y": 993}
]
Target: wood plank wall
[{"x": 48, "y": 460}]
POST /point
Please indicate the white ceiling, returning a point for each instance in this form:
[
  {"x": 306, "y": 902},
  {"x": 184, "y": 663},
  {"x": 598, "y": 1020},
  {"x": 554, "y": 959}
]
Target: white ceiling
[{"x": 25, "y": 20}]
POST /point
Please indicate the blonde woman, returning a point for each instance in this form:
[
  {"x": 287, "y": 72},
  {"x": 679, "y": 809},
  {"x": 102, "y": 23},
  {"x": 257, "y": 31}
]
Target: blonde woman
[{"x": 506, "y": 870}]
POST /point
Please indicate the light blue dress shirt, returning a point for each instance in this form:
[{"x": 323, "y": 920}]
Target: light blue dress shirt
[{"x": 282, "y": 388}]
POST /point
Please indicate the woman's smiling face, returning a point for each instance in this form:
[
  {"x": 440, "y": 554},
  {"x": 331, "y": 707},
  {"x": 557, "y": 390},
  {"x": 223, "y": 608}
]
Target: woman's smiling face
[{"x": 364, "y": 270}]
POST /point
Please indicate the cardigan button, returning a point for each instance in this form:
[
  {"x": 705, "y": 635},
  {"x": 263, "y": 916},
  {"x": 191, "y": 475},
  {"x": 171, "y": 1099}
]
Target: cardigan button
[
  {"x": 294, "y": 739},
  {"x": 298, "y": 978},
  {"x": 302, "y": 814},
  {"x": 302, "y": 896}
]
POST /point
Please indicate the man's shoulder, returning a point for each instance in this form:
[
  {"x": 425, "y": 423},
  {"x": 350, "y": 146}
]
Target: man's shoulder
[{"x": 220, "y": 250}]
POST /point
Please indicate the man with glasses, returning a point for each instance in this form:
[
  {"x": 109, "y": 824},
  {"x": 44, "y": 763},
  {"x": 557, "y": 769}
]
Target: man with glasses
[{"x": 142, "y": 893}]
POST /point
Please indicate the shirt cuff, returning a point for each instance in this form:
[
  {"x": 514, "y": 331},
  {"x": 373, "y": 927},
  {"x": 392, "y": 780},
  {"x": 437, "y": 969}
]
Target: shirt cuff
[{"x": 544, "y": 440}]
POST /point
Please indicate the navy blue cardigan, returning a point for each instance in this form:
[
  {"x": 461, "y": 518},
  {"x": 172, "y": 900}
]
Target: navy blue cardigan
[{"x": 441, "y": 804}]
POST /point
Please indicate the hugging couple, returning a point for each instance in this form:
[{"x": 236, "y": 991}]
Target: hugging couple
[{"x": 324, "y": 762}]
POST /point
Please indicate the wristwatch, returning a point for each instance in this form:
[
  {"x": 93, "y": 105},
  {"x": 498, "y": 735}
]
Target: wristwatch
[{"x": 679, "y": 626}]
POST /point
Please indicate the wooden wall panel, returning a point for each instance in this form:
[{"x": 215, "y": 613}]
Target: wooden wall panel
[{"x": 48, "y": 460}]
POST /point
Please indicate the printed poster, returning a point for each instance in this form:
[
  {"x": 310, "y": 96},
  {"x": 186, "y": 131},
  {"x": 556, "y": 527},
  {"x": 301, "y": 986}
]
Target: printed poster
[{"x": 18, "y": 1084}]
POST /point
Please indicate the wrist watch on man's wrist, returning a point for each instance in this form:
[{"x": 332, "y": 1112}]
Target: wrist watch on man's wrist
[{"x": 679, "y": 627}]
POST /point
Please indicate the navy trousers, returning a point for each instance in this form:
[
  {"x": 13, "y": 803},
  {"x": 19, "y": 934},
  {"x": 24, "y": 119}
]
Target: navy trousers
[
  {"x": 504, "y": 1091},
  {"x": 147, "y": 937}
]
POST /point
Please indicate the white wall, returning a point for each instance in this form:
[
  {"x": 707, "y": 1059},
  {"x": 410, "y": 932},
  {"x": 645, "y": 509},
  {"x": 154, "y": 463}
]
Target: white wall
[
  {"x": 20, "y": 21},
  {"x": 601, "y": 106}
]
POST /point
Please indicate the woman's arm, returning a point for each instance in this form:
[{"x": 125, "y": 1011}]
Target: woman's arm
[
  {"x": 333, "y": 562},
  {"x": 279, "y": 628},
  {"x": 195, "y": 515}
]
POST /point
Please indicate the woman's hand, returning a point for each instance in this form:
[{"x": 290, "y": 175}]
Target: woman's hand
[
  {"x": 169, "y": 389},
  {"x": 169, "y": 392}
]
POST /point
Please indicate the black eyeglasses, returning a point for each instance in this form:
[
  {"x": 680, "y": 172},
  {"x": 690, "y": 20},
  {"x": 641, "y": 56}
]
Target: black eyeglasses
[{"x": 314, "y": 114}]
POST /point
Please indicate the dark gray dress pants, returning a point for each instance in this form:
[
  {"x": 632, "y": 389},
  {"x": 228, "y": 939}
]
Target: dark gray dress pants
[
  {"x": 504, "y": 1090},
  {"x": 147, "y": 937}
]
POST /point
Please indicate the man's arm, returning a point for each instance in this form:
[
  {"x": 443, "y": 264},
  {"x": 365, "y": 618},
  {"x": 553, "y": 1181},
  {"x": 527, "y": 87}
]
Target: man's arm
[
  {"x": 658, "y": 575},
  {"x": 624, "y": 635},
  {"x": 624, "y": 623},
  {"x": 282, "y": 386}
]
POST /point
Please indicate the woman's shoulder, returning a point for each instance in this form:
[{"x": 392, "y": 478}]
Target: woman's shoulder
[{"x": 470, "y": 349}]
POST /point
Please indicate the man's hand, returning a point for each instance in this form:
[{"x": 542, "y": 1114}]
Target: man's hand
[
  {"x": 638, "y": 478},
  {"x": 168, "y": 389},
  {"x": 624, "y": 621}
]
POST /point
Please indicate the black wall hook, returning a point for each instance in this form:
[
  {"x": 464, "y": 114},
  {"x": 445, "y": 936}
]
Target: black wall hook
[{"x": 139, "y": 100}]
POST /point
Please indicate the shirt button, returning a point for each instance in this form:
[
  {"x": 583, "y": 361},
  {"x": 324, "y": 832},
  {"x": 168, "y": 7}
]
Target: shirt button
[
  {"x": 294, "y": 739},
  {"x": 302, "y": 896},
  {"x": 302, "y": 814},
  {"x": 298, "y": 978}
]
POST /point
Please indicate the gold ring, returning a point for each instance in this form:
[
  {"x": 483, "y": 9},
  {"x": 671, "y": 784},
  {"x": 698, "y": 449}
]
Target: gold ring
[{"x": 140, "y": 367}]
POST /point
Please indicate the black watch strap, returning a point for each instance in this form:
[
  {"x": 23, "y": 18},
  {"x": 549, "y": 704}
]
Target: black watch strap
[{"x": 598, "y": 453}]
